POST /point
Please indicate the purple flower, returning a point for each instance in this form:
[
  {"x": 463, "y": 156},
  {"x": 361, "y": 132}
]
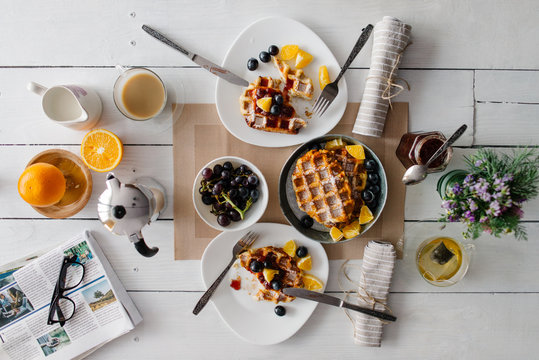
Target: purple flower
[
  {"x": 470, "y": 216},
  {"x": 494, "y": 209},
  {"x": 457, "y": 189},
  {"x": 507, "y": 177},
  {"x": 479, "y": 162},
  {"x": 483, "y": 219},
  {"x": 473, "y": 206},
  {"x": 468, "y": 180}
]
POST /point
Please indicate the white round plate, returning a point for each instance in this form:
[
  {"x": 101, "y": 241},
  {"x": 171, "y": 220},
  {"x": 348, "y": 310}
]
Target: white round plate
[
  {"x": 252, "y": 215},
  {"x": 255, "y": 321},
  {"x": 258, "y": 37}
]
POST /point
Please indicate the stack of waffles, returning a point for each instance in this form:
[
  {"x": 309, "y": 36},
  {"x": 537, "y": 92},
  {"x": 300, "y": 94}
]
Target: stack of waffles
[{"x": 328, "y": 185}]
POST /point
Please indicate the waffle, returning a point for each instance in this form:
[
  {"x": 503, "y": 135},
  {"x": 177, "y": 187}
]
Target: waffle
[
  {"x": 296, "y": 82},
  {"x": 322, "y": 188},
  {"x": 356, "y": 175},
  {"x": 289, "y": 273},
  {"x": 286, "y": 122}
]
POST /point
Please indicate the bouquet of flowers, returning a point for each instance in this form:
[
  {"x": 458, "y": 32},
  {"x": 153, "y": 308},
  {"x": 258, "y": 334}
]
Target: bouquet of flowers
[{"x": 491, "y": 196}]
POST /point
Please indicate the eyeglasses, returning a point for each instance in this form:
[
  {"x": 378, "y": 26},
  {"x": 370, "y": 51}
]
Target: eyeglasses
[{"x": 71, "y": 275}]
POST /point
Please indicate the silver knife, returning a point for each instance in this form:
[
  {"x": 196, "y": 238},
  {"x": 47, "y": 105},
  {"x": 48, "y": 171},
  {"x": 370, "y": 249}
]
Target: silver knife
[
  {"x": 331, "y": 300},
  {"x": 203, "y": 62}
]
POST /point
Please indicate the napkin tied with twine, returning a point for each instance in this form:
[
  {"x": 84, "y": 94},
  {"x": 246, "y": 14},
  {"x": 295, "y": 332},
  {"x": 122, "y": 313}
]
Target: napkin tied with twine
[
  {"x": 373, "y": 289},
  {"x": 391, "y": 38}
]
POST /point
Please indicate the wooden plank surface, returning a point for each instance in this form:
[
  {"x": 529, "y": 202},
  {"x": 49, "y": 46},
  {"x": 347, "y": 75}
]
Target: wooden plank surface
[
  {"x": 472, "y": 34},
  {"x": 471, "y": 62}
]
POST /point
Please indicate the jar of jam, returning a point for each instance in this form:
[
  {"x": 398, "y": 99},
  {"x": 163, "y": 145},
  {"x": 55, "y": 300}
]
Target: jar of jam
[{"x": 417, "y": 148}]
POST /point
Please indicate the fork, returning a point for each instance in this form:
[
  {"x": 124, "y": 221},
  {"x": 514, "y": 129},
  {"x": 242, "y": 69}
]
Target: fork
[
  {"x": 242, "y": 244},
  {"x": 331, "y": 90}
]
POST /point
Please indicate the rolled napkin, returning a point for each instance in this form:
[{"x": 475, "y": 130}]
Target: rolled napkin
[
  {"x": 378, "y": 262},
  {"x": 391, "y": 37}
]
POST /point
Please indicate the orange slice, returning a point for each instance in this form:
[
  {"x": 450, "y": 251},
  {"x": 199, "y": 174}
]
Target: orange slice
[
  {"x": 288, "y": 52},
  {"x": 335, "y": 144},
  {"x": 303, "y": 58},
  {"x": 365, "y": 215},
  {"x": 42, "y": 184},
  {"x": 352, "y": 230},
  {"x": 269, "y": 274},
  {"x": 305, "y": 263},
  {"x": 311, "y": 282},
  {"x": 335, "y": 234},
  {"x": 290, "y": 248},
  {"x": 356, "y": 151},
  {"x": 264, "y": 104},
  {"x": 323, "y": 77},
  {"x": 101, "y": 150}
]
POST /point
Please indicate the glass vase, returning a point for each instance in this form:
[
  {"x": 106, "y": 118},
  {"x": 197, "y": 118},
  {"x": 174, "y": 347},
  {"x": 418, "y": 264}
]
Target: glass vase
[{"x": 449, "y": 179}]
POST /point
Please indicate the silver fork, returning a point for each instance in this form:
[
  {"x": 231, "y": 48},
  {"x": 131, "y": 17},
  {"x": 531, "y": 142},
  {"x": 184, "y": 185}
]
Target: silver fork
[
  {"x": 331, "y": 90},
  {"x": 242, "y": 244}
]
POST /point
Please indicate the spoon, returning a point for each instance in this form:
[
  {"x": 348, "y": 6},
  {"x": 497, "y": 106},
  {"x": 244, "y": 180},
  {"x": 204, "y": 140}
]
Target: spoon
[{"x": 417, "y": 173}]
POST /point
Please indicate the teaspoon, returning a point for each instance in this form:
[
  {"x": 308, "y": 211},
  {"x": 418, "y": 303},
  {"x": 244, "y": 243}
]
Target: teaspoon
[{"x": 417, "y": 173}]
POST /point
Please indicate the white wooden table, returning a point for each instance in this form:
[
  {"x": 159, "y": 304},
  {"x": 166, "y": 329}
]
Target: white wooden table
[{"x": 473, "y": 62}]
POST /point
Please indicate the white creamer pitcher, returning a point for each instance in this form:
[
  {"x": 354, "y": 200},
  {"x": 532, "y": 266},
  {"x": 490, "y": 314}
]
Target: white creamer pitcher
[{"x": 69, "y": 105}]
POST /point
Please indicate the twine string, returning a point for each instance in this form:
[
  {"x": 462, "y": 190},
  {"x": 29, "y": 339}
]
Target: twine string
[
  {"x": 391, "y": 81},
  {"x": 364, "y": 295}
]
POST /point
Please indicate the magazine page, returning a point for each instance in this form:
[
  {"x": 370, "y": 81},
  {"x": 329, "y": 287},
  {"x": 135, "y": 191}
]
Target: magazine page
[{"x": 99, "y": 315}]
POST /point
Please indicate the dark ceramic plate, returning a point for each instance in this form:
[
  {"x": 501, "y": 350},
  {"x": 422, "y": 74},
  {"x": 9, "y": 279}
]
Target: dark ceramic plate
[{"x": 287, "y": 196}]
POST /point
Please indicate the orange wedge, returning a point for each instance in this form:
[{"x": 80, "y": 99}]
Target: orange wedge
[
  {"x": 323, "y": 77},
  {"x": 101, "y": 150},
  {"x": 335, "y": 234},
  {"x": 365, "y": 215},
  {"x": 352, "y": 230},
  {"x": 264, "y": 104},
  {"x": 305, "y": 263},
  {"x": 303, "y": 58},
  {"x": 288, "y": 52},
  {"x": 311, "y": 282},
  {"x": 356, "y": 151}
]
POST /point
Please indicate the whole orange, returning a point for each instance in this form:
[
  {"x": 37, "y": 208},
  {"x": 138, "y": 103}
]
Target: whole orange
[{"x": 42, "y": 184}]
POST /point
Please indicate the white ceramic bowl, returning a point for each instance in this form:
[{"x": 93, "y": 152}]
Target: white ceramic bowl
[{"x": 254, "y": 213}]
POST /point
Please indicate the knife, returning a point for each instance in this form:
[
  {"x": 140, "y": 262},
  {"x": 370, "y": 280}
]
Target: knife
[
  {"x": 203, "y": 62},
  {"x": 331, "y": 300}
]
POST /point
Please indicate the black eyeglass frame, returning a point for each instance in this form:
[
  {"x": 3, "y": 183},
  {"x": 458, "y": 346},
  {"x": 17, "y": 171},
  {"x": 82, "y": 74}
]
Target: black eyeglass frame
[{"x": 59, "y": 290}]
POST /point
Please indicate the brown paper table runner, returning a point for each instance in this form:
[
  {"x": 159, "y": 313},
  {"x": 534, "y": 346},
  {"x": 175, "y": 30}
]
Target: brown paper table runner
[{"x": 199, "y": 137}]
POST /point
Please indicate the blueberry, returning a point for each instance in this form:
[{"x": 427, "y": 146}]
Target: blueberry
[
  {"x": 233, "y": 193},
  {"x": 233, "y": 183},
  {"x": 302, "y": 251},
  {"x": 275, "y": 109},
  {"x": 372, "y": 206},
  {"x": 276, "y": 284},
  {"x": 252, "y": 64},
  {"x": 243, "y": 192},
  {"x": 371, "y": 165},
  {"x": 217, "y": 169},
  {"x": 207, "y": 199},
  {"x": 223, "y": 220},
  {"x": 280, "y": 310},
  {"x": 228, "y": 166},
  {"x": 255, "y": 194},
  {"x": 253, "y": 180},
  {"x": 256, "y": 266},
  {"x": 238, "y": 179},
  {"x": 367, "y": 196},
  {"x": 264, "y": 56},
  {"x": 307, "y": 221},
  {"x": 375, "y": 189},
  {"x": 268, "y": 264},
  {"x": 278, "y": 99},
  {"x": 373, "y": 178},
  {"x": 273, "y": 50}
]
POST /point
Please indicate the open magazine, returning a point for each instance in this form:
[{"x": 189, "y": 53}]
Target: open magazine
[{"x": 104, "y": 311}]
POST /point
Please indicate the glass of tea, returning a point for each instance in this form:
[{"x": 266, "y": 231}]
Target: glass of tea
[
  {"x": 443, "y": 261},
  {"x": 139, "y": 93}
]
